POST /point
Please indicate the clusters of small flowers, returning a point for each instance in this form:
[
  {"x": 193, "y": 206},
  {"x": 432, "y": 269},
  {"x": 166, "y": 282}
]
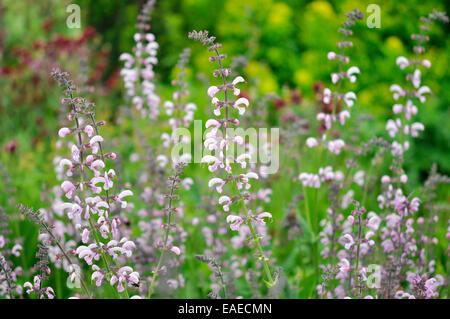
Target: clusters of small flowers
[
  {"x": 416, "y": 94},
  {"x": 138, "y": 73},
  {"x": 357, "y": 245},
  {"x": 400, "y": 237},
  {"x": 328, "y": 274},
  {"x": 399, "y": 240},
  {"x": 175, "y": 109},
  {"x": 8, "y": 274},
  {"x": 159, "y": 161},
  {"x": 216, "y": 142},
  {"x": 44, "y": 271},
  {"x": 91, "y": 205},
  {"x": 325, "y": 175},
  {"x": 332, "y": 111},
  {"x": 219, "y": 141},
  {"x": 153, "y": 182},
  {"x": 333, "y": 99},
  {"x": 422, "y": 287}
]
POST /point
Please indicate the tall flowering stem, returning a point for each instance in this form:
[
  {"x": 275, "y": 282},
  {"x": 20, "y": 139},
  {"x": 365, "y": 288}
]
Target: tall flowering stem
[
  {"x": 41, "y": 265},
  {"x": 333, "y": 112},
  {"x": 6, "y": 276},
  {"x": 138, "y": 71},
  {"x": 403, "y": 125},
  {"x": 90, "y": 210},
  {"x": 400, "y": 240},
  {"x": 174, "y": 183},
  {"x": 37, "y": 219},
  {"x": 220, "y": 141}
]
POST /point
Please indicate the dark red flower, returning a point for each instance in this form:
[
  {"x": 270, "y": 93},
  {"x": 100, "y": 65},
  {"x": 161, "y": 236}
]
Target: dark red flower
[{"x": 11, "y": 147}]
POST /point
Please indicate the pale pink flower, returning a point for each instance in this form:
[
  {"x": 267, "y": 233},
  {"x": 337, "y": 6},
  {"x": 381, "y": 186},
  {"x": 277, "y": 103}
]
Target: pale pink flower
[
  {"x": 398, "y": 91},
  {"x": 351, "y": 73},
  {"x": 415, "y": 128},
  {"x": 234, "y": 221},
  {"x": 335, "y": 146},
  {"x": 175, "y": 250},
  {"x": 349, "y": 98},
  {"x": 348, "y": 241},
  {"x": 213, "y": 90},
  {"x": 64, "y": 131},
  {"x": 402, "y": 62},
  {"x": 311, "y": 142}
]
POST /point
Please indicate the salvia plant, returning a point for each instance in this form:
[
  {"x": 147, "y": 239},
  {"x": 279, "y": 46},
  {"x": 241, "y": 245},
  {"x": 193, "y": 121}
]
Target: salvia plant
[
  {"x": 138, "y": 71},
  {"x": 130, "y": 215},
  {"x": 219, "y": 140}
]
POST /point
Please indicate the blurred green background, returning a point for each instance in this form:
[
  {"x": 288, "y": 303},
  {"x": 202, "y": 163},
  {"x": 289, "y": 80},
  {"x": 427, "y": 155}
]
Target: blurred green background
[{"x": 285, "y": 43}]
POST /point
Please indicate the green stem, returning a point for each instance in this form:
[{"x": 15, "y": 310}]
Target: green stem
[
  {"x": 315, "y": 249},
  {"x": 166, "y": 237}
]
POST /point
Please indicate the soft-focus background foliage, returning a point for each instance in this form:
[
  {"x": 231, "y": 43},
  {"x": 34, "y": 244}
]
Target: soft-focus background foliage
[{"x": 285, "y": 43}]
